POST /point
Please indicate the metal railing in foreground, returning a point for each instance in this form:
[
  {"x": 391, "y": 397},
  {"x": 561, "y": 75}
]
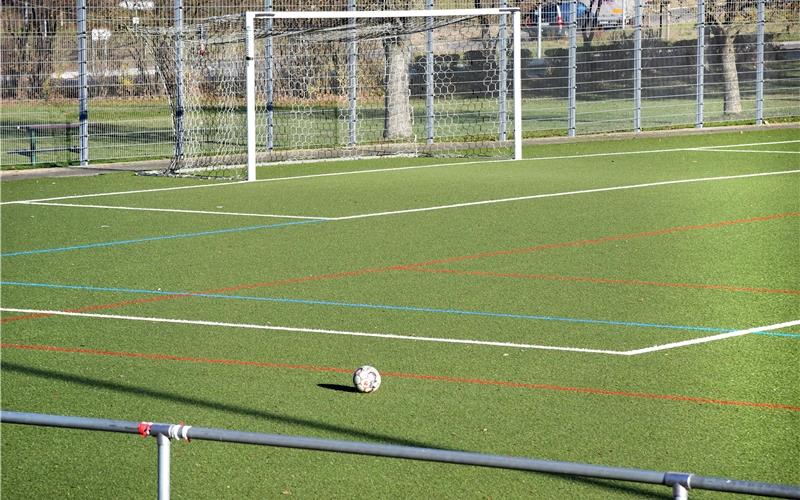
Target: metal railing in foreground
[{"x": 680, "y": 482}]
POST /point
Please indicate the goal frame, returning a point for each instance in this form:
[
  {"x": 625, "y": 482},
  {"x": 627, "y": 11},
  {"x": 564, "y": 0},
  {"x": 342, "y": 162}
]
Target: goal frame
[{"x": 251, "y": 16}]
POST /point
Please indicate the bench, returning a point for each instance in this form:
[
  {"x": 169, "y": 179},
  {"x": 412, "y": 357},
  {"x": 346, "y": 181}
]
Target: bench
[{"x": 34, "y": 131}]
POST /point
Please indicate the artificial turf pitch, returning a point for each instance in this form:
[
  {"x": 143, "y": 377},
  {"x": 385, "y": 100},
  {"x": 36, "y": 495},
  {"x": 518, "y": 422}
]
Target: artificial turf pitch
[{"x": 463, "y": 296}]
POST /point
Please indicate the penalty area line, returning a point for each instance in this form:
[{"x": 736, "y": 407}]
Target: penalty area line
[
  {"x": 772, "y": 152},
  {"x": 712, "y": 338},
  {"x": 391, "y": 169},
  {"x": 565, "y": 193},
  {"x": 247, "y": 326},
  {"x": 768, "y": 143},
  {"x": 390, "y": 336},
  {"x": 173, "y": 210}
]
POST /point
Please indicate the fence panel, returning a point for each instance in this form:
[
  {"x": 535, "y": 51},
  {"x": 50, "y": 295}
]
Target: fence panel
[
  {"x": 38, "y": 41},
  {"x": 782, "y": 61},
  {"x": 545, "y": 68},
  {"x": 669, "y": 72},
  {"x": 131, "y": 107}
]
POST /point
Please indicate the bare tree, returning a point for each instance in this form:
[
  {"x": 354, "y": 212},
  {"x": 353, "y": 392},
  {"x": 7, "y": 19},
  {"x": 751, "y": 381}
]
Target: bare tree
[
  {"x": 32, "y": 27},
  {"x": 725, "y": 20},
  {"x": 397, "y": 103},
  {"x": 588, "y": 24}
]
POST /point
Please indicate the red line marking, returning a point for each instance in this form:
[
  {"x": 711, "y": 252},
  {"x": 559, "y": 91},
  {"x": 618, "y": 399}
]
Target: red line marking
[
  {"x": 591, "y": 390},
  {"x": 408, "y": 267},
  {"x": 580, "y": 279},
  {"x": 413, "y": 376},
  {"x": 605, "y": 239},
  {"x": 170, "y": 357}
]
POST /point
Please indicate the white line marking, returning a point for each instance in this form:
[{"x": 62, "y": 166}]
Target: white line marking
[
  {"x": 750, "y": 144},
  {"x": 382, "y": 170},
  {"x": 275, "y": 179},
  {"x": 248, "y": 326},
  {"x": 204, "y": 212},
  {"x": 712, "y": 338},
  {"x": 749, "y": 151},
  {"x": 566, "y": 193},
  {"x": 117, "y": 193},
  {"x": 457, "y": 205},
  {"x": 311, "y": 330}
]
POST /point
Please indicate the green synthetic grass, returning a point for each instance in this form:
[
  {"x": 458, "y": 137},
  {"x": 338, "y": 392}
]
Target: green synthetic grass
[{"x": 678, "y": 409}]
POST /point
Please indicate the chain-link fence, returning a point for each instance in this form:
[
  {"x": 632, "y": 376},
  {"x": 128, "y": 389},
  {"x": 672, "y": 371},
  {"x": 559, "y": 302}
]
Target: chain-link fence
[{"x": 589, "y": 66}]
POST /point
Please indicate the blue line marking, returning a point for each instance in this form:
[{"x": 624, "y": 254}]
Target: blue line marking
[
  {"x": 166, "y": 237},
  {"x": 285, "y": 300},
  {"x": 780, "y": 334}
]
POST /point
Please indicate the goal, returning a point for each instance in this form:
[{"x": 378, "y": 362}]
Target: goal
[{"x": 272, "y": 87}]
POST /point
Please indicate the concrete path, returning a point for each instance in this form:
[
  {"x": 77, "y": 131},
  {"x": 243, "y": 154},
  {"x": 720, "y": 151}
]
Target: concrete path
[{"x": 36, "y": 173}]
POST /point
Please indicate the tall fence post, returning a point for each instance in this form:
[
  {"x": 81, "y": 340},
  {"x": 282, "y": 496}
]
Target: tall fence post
[
  {"x": 429, "y": 83},
  {"x": 539, "y": 32},
  {"x": 517, "y": 79},
  {"x": 573, "y": 67},
  {"x": 270, "y": 79},
  {"x": 352, "y": 70},
  {"x": 701, "y": 61},
  {"x": 502, "y": 63},
  {"x": 179, "y": 97},
  {"x": 760, "y": 64},
  {"x": 83, "y": 87},
  {"x": 637, "y": 67}
]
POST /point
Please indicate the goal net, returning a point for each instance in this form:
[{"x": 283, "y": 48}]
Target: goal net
[{"x": 289, "y": 86}]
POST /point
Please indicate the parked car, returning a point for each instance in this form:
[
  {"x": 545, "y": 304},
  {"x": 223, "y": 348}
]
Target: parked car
[{"x": 555, "y": 17}]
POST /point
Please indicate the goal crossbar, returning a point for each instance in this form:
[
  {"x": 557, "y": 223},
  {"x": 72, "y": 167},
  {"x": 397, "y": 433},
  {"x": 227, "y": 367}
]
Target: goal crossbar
[{"x": 250, "y": 20}]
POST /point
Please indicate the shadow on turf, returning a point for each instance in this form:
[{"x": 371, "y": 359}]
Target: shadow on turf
[
  {"x": 611, "y": 486},
  {"x": 617, "y": 488},
  {"x": 179, "y": 398},
  {"x": 338, "y": 387}
]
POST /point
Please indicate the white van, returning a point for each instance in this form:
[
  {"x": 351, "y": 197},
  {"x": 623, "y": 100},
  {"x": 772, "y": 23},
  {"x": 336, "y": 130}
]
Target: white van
[{"x": 614, "y": 13}]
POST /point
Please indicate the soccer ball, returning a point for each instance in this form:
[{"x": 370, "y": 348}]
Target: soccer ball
[{"x": 366, "y": 379}]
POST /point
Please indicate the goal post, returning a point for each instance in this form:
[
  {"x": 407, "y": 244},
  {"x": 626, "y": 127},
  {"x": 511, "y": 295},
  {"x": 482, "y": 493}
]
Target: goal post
[{"x": 345, "y": 84}]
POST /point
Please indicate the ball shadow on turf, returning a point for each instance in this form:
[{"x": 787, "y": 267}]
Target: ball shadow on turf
[{"x": 338, "y": 387}]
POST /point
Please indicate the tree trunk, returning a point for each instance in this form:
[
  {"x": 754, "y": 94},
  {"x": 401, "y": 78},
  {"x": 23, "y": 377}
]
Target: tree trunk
[
  {"x": 733, "y": 103},
  {"x": 588, "y": 25},
  {"x": 397, "y": 109}
]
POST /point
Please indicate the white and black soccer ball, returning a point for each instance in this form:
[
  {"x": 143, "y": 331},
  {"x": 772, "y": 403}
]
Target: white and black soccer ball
[{"x": 366, "y": 379}]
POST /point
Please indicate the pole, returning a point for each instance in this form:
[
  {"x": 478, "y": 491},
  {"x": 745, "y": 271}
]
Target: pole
[
  {"x": 179, "y": 98},
  {"x": 573, "y": 67},
  {"x": 429, "y": 88},
  {"x": 185, "y": 432},
  {"x": 502, "y": 63},
  {"x": 352, "y": 69},
  {"x": 163, "y": 466},
  {"x": 637, "y": 68},
  {"x": 679, "y": 492},
  {"x": 251, "y": 96},
  {"x": 701, "y": 56},
  {"x": 517, "y": 27},
  {"x": 539, "y": 32},
  {"x": 83, "y": 87},
  {"x": 760, "y": 65},
  {"x": 268, "y": 52}
]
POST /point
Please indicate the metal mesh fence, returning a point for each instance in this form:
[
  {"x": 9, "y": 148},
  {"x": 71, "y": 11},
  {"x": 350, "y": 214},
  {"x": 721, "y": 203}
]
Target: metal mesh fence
[{"x": 589, "y": 66}]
